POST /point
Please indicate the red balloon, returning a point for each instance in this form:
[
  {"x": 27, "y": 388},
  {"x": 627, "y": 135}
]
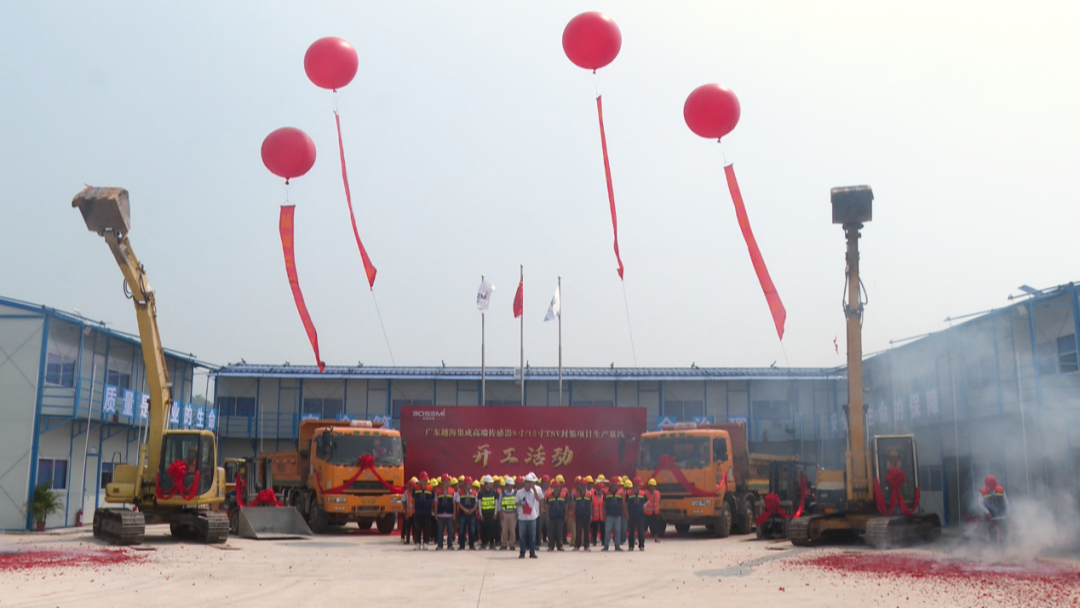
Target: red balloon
[
  {"x": 331, "y": 63},
  {"x": 711, "y": 111},
  {"x": 591, "y": 40},
  {"x": 288, "y": 153}
]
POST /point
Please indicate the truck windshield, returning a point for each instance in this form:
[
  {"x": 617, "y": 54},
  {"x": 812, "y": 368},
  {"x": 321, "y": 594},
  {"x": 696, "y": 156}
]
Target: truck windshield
[
  {"x": 688, "y": 452},
  {"x": 347, "y": 449}
]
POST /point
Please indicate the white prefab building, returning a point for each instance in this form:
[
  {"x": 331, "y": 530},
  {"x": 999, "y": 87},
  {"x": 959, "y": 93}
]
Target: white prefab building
[{"x": 71, "y": 392}]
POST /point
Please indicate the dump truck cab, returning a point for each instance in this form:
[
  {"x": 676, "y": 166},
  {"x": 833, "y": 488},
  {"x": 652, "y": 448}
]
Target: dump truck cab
[{"x": 702, "y": 455}]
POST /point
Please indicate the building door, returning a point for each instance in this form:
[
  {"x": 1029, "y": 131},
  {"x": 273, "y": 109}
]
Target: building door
[{"x": 958, "y": 490}]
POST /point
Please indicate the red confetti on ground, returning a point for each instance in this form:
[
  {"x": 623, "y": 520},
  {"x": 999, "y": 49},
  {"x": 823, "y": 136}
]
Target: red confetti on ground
[
  {"x": 1035, "y": 583},
  {"x": 31, "y": 559}
]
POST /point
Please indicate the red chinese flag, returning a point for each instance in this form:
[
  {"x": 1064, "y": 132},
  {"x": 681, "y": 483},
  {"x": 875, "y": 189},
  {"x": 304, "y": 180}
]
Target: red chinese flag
[
  {"x": 776, "y": 307},
  {"x": 519, "y": 299},
  {"x": 285, "y": 226}
]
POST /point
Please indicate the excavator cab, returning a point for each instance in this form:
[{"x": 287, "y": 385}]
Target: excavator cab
[{"x": 196, "y": 449}]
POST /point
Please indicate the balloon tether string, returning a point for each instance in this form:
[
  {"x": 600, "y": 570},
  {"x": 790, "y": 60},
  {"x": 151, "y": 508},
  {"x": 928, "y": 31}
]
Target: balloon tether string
[
  {"x": 629, "y": 327},
  {"x": 383, "y": 326}
]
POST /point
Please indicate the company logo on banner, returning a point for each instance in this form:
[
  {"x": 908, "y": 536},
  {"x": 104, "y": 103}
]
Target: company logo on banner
[{"x": 429, "y": 414}]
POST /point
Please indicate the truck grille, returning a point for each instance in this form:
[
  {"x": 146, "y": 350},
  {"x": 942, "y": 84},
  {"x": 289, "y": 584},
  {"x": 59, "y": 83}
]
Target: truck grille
[{"x": 367, "y": 486}]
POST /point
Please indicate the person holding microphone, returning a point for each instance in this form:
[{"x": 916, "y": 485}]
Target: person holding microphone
[{"x": 528, "y": 501}]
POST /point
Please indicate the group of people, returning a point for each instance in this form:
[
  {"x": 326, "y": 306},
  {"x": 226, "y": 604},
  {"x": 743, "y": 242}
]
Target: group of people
[{"x": 499, "y": 513}]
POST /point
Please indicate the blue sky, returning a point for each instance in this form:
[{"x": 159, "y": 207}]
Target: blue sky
[{"x": 473, "y": 147}]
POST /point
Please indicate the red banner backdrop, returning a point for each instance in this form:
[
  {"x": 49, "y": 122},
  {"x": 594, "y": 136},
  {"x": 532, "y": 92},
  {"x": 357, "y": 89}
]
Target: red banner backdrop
[{"x": 479, "y": 441}]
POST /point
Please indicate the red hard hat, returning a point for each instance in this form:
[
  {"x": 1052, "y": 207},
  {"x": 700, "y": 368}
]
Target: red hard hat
[
  {"x": 423, "y": 475},
  {"x": 637, "y": 481},
  {"x": 991, "y": 481},
  {"x": 468, "y": 480},
  {"x": 578, "y": 479},
  {"x": 547, "y": 478}
]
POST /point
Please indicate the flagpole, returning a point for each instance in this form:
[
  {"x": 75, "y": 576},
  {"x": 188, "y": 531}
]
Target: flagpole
[
  {"x": 522, "y": 339},
  {"x": 559, "y": 289},
  {"x": 483, "y": 368}
]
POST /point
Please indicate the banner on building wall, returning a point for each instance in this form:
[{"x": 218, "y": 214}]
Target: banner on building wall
[
  {"x": 108, "y": 402},
  {"x": 386, "y": 421},
  {"x": 174, "y": 414},
  {"x": 144, "y": 407},
  {"x": 127, "y": 409},
  {"x": 738, "y": 420},
  {"x": 516, "y": 440}
]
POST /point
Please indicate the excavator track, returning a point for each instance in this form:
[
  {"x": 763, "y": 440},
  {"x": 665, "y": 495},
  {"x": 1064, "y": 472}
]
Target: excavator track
[
  {"x": 899, "y": 530},
  {"x": 799, "y": 532},
  {"x": 208, "y": 527},
  {"x": 119, "y": 526}
]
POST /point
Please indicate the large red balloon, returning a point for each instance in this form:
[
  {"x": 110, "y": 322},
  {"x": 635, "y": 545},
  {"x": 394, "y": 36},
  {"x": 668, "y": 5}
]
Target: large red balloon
[
  {"x": 288, "y": 153},
  {"x": 331, "y": 63},
  {"x": 591, "y": 40},
  {"x": 711, "y": 111}
]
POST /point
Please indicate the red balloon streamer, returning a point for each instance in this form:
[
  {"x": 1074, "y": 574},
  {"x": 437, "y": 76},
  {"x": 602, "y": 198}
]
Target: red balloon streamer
[
  {"x": 610, "y": 189},
  {"x": 285, "y": 226},
  {"x": 369, "y": 268},
  {"x": 667, "y": 462},
  {"x": 779, "y": 314},
  {"x": 366, "y": 462}
]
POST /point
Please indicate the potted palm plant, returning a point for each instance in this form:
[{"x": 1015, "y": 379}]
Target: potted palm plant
[{"x": 44, "y": 503}]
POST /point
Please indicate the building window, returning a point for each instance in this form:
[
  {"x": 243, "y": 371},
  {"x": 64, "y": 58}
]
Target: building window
[
  {"x": 982, "y": 372},
  {"x": 325, "y": 409},
  {"x": 684, "y": 411},
  {"x": 53, "y": 473},
  {"x": 930, "y": 478},
  {"x": 773, "y": 421},
  {"x": 118, "y": 379},
  {"x": 398, "y": 403},
  {"x": 1066, "y": 347},
  {"x": 60, "y": 371},
  {"x": 106, "y": 474},
  {"x": 236, "y": 406}
]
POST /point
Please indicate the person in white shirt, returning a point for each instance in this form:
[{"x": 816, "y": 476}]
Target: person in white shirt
[{"x": 528, "y": 506}]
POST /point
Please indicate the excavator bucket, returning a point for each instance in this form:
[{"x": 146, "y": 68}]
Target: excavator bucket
[
  {"x": 272, "y": 523},
  {"x": 104, "y": 209}
]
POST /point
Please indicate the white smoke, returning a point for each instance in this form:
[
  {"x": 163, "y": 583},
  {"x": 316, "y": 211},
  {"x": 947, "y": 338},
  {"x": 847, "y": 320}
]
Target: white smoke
[{"x": 1037, "y": 528}]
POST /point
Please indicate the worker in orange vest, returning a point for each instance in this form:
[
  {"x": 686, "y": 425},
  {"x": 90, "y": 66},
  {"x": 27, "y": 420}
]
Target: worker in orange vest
[
  {"x": 407, "y": 512},
  {"x": 596, "y": 527},
  {"x": 652, "y": 510}
]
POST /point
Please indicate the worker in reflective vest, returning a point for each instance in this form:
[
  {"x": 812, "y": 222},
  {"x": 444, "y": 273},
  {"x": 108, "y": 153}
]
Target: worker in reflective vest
[
  {"x": 614, "y": 515},
  {"x": 407, "y": 509},
  {"x": 489, "y": 513},
  {"x": 995, "y": 507},
  {"x": 652, "y": 511},
  {"x": 423, "y": 498},
  {"x": 635, "y": 511},
  {"x": 556, "y": 499},
  {"x": 596, "y": 527},
  {"x": 508, "y": 515},
  {"x": 444, "y": 513},
  {"x": 583, "y": 510},
  {"x": 466, "y": 511}
]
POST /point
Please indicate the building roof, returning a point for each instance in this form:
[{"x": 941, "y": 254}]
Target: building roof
[
  {"x": 98, "y": 326},
  {"x": 244, "y": 370}
]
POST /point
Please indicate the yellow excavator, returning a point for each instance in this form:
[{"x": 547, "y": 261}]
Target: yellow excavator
[
  {"x": 176, "y": 478},
  {"x": 846, "y": 508}
]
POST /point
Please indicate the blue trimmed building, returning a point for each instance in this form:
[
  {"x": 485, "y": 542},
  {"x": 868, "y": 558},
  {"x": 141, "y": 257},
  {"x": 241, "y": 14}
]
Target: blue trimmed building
[{"x": 70, "y": 393}]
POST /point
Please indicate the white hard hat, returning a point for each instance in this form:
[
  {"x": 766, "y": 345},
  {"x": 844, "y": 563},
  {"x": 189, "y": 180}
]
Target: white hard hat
[
  {"x": 488, "y": 479},
  {"x": 531, "y": 477},
  {"x": 509, "y": 481}
]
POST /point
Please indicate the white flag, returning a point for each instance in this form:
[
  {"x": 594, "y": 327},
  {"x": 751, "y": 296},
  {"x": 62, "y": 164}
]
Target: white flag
[
  {"x": 483, "y": 296},
  {"x": 555, "y": 310}
]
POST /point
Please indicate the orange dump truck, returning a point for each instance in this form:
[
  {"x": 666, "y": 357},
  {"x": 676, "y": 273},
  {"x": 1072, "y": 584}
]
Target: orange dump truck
[
  {"x": 324, "y": 479},
  {"x": 702, "y": 454}
]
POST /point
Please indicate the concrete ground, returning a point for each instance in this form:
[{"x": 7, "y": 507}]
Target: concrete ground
[{"x": 362, "y": 568}]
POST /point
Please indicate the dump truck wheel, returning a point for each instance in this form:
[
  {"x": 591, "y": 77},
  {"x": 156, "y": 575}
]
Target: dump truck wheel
[
  {"x": 744, "y": 524},
  {"x": 682, "y": 528},
  {"x": 316, "y": 516},
  {"x": 722, "y": 526},
  {"x": 386, "y": 524}
]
